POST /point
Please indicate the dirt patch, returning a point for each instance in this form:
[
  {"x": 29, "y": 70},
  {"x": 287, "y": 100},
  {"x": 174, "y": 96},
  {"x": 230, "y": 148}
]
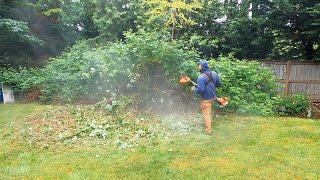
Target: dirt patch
[{"x": 33, "y": 95}]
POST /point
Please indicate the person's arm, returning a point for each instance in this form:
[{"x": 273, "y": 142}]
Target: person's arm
[
  {"x": 201, "y": 84},
  {"x": 217, "y": 80}
]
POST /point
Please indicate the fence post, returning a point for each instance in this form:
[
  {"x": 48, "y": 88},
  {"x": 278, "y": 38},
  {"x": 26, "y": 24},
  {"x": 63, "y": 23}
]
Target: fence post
[{"x": 287, "y": 85}]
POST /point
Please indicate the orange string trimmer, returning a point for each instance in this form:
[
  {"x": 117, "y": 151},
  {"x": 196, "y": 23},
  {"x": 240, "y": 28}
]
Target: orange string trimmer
[
  {"x": 223, "y": 101},
  {"x": 185, "y": 79}
]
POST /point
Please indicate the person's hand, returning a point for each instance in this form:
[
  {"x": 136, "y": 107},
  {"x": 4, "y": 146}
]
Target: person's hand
[
  {"x": 219, "y": 101},
  {"x": 193, "y": 88}
]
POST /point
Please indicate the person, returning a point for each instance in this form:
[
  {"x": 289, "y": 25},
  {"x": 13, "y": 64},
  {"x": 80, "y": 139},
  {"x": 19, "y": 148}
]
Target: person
[{"x": 206, "y": 86}]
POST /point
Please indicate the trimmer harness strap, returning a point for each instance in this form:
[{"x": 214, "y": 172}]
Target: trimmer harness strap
[{"x": 209, "y": 76}]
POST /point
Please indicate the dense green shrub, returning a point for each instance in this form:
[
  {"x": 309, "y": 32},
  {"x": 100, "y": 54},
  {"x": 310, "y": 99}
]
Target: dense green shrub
[
  {"x": 251, "y": 89},
  {"x": 107, "y": 72},
  {"x": 74, "y": 74},
  {"x": 293, "y": 105},
  {"x": 94, "y": 71},
  {"x": 248, "y": 84},
  {"x": 22, "y": 79}
]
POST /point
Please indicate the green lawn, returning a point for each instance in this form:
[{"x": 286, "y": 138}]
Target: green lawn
[{"x": 240, "y": 147}]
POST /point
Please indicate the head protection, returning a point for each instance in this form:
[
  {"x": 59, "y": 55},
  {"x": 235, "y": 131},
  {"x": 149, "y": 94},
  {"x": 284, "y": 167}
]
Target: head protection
[{"x": 204, "y": 65}]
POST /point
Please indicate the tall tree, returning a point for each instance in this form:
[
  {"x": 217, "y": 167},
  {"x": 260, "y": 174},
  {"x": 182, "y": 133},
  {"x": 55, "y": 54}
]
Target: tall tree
[
  {"x": 226, "y": 27},
  {"x": 114, "y": 17},
  {"x": 280, "y": 29},
  {"x": 298, "y": 21},
  {"x": 50, "y": 25},
  {"x": 172, "y": 13},
  {"x": 17, "y": 42}
]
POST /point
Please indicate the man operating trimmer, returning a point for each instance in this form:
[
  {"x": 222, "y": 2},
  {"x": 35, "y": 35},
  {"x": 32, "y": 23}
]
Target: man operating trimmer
[{"x": 206, "y": 86}]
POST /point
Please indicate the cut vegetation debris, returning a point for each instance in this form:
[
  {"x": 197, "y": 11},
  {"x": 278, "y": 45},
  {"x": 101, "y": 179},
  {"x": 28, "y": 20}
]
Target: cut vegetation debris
[
  {"x": 241, "y": 147},
  {"x": 88, "y": 125},
  {"x": 78, "y": 124}
]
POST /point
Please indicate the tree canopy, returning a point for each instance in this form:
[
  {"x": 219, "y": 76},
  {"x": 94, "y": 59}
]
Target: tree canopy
[{"x": 33, "y": 30}]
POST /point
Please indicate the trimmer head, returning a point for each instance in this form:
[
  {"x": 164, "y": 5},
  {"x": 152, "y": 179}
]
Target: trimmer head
[{"x": 184, "y": 80}]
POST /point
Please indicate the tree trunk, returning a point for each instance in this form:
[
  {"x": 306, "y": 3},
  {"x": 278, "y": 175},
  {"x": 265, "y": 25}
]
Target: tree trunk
[
  {"x": 173, "y": 32},
  {"x": 309, "y": 52}
]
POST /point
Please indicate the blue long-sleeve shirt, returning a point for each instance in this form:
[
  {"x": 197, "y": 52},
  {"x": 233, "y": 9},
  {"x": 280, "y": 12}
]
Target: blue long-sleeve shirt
[{"x": 205, "y": 88}]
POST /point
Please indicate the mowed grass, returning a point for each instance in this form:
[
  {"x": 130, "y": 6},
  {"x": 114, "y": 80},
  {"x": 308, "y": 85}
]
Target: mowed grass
[{"x": 241, "y": 147}]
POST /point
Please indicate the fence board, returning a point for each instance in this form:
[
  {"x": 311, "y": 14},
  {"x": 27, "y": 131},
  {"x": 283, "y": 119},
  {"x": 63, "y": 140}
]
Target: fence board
[{"x": 297, "y": 77}]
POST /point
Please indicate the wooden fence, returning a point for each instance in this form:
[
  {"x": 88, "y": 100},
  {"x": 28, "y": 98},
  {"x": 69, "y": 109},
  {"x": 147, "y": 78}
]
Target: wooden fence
[{"x": 297, "y": 77}]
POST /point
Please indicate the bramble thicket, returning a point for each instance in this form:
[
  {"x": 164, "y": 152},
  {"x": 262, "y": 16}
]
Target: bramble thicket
[
  {"x": 90, "y": 72},
  {"x": 91, "y": 51},
  {"x": 121, "y": 89}
]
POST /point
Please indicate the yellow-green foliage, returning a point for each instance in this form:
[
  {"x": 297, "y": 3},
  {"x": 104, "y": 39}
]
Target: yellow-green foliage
[
  {"x": 174, "y": 12},
  {"x": 53, "y": 11}
]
